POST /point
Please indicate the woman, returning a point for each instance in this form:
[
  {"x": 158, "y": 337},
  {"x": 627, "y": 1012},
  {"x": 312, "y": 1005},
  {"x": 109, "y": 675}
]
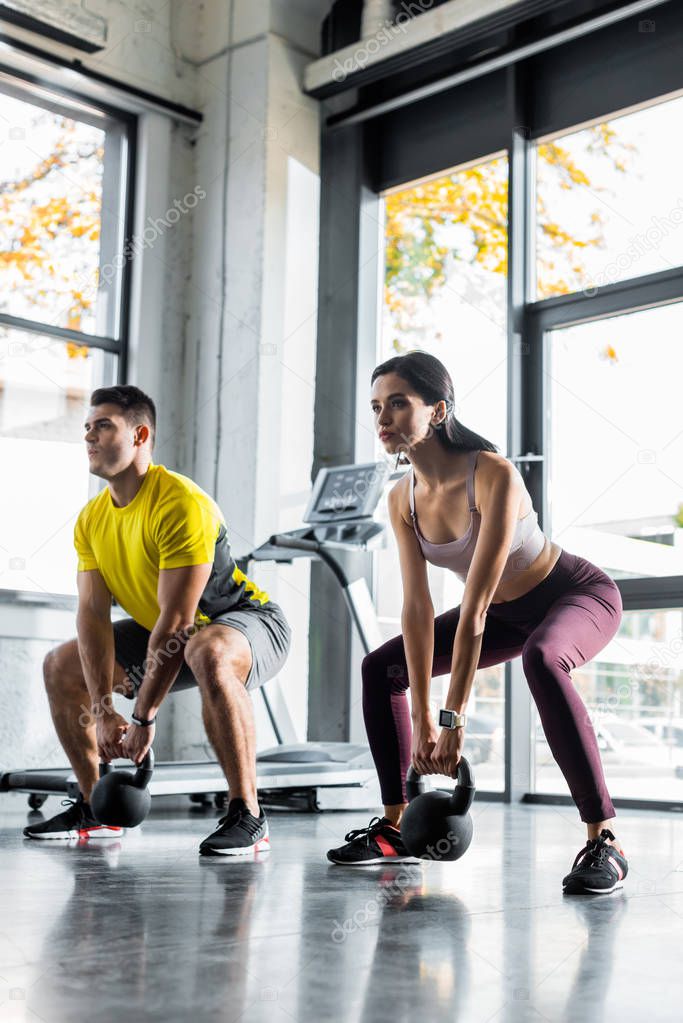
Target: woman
[{"x": 524, "y": 595}]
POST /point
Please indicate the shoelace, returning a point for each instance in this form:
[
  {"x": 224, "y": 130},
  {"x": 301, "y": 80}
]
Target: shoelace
[
  {"x": 596, "y": 855},
  {"x": 83, "y": 815},
  {"x": 366, "y": 833},
  {"x": 244, "y": 819},
  {"x": 73, "y": 802}
]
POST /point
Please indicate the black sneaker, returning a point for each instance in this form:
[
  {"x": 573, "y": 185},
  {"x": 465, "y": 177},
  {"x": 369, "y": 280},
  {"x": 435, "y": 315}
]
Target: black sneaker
[
  {"x": 598, "y": 868},
  {"x": 76, "y": 822},
  {"x": 239, "y": 833},
  {"x": 380, "y": 842}
]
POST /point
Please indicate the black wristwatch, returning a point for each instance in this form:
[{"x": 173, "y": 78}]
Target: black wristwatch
[
  {"x": 145, "y": 722},
  {"x": 451, "y": 719}
]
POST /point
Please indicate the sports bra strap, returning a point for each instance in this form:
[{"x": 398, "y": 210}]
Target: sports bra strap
[
  {"x": 411, "y": 491},
  {"x": 470, "y": 480}
]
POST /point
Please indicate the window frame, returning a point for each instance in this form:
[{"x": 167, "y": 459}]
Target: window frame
[
  {"x": 121, "y": 130},
  {"x": 120, "y": 126}
]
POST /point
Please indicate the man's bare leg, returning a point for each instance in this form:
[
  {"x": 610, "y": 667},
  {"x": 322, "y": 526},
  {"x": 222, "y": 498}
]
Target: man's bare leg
[
  {"x": 70, "y": 708},
  {"x": 220, "y": 659}
]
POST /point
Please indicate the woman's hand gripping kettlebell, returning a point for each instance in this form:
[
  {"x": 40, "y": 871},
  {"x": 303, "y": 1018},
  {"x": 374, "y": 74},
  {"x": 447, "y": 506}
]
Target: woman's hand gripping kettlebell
[
  {"x": 447, "y": 751},
  {"x": 425, "y": 735}
]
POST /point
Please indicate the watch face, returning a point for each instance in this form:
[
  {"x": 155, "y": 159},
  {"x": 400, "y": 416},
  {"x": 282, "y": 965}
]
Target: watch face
[{"x": 446, "y": 718}]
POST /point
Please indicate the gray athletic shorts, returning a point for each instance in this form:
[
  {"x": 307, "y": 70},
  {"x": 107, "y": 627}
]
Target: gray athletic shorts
[{"x": 264, "y": 625}]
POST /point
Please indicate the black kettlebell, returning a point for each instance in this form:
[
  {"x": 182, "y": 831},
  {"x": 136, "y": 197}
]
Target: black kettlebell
[
  {"x": 121, "y": 798},
  {"x": 436, "y": 825}
]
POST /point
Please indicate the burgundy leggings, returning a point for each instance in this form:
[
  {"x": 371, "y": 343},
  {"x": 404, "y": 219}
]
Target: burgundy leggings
[{"x": 557, "y": 626}]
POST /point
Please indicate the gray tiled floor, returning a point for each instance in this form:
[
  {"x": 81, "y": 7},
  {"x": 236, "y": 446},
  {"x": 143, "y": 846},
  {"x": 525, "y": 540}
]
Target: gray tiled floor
[{"x": 143, "y": 928}]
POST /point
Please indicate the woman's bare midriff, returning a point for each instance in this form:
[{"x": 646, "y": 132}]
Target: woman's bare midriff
[{"x": 532, "y": 576}]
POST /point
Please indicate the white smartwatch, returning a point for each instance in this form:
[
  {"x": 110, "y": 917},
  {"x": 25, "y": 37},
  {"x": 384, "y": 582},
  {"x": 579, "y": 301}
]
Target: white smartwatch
[{"x": 451, "y": 719}]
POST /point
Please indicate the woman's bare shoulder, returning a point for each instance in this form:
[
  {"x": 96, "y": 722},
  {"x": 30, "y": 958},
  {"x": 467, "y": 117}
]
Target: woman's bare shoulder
[
  {"x": 494, "y": 464},
  {"x": 491, "y": 466},
  {"x": 398, "y": 498}
]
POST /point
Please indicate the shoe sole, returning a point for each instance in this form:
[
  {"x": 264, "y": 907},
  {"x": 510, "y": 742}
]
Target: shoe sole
[
  {"x": 378, "y": 859},
  {"x": 101, "y": 832},
  {"x": 263, "y": 845},
  {"x": 576, "y": 890}
]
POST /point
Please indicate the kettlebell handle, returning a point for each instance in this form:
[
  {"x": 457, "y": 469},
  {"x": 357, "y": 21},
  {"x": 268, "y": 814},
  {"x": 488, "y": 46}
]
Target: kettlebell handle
[
  {"x": 463, "y": 793},
  {"x": 415, "y": 784},
  {"x": 142, "y": 776},
  {"x": 144, "y": 771}
]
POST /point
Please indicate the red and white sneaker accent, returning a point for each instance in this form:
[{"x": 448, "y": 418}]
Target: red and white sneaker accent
[
  {"x": 380, "y": 842},
  {"x": 76, "y": 822}
]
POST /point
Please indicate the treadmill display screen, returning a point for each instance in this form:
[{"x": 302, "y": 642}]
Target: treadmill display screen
[
  {"x": 340, "y": 493},
  {"x": 346, "y": 492}
]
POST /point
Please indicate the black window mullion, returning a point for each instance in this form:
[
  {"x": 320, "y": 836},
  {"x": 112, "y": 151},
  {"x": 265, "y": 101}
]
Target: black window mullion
[
  {"x": 130, "y": 151},
  {"x": 516, "y": 707},
  {"x": 79, "y": 337},
  {"x": 627, "y": 296}
]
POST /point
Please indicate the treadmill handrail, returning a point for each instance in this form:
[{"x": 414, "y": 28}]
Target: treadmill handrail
[
  {"x": 295, "y": 543},
  {"x": 313, "y": 547}
]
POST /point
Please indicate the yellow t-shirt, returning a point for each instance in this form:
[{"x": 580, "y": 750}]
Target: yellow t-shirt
[{"x": 170, "y": 523}]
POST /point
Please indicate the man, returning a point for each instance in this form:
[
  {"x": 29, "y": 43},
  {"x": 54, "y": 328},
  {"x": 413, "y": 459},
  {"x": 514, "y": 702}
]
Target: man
[{"x": 154, "y": 541}]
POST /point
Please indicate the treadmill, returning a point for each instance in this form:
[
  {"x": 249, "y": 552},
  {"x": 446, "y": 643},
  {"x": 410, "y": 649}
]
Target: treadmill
[{"x": 311, "y": 776}]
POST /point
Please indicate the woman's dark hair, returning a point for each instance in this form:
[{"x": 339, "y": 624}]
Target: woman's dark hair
[
  {"x": 429, "y": 378},
  {"x": 136, "y": 406}
]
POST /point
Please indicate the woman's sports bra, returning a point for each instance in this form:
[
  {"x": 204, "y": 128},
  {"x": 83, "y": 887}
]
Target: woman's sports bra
[{"x": 527, "y": 543}]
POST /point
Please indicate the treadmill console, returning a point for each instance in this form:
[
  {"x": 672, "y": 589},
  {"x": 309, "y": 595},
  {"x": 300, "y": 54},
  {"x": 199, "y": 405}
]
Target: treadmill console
[
  {"x": 346, "y": 492},
  {"x": 339, "y": 517}
]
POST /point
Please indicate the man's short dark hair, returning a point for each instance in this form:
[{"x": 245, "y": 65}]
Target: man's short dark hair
[{"x": 136, "y": 406}]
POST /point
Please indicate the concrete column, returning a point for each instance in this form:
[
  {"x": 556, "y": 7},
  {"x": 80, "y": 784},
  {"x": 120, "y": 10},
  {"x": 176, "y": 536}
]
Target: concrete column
[{"x": 249, "y": 376}]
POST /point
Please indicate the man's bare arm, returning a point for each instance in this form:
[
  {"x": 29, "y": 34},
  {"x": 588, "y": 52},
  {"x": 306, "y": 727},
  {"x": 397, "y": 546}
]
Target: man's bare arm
[
  {"x": 96, "y": 652},
  {"x": 178, "y": 593},
  {"x": 95, "y": 636}
]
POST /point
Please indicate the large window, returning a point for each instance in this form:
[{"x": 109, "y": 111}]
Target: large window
[
  {"x": 609, "y": 317},
  {"x": 63, "y": 213},
  {"x": 609, "y": 201},
  {"x": 445, "y": 292},
  {"x": 603, "y": 207},
  {"x": 634, "y": 694},
  {"x": 531, "y": 220},
  {"x": 616, "y": 441}
]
